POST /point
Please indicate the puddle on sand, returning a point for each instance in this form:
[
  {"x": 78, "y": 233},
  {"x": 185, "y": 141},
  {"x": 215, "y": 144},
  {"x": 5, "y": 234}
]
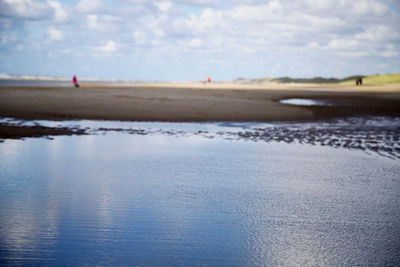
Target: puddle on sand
[
  {"x": 308, "y": 102},
  {"x": 180, "y": 199}
]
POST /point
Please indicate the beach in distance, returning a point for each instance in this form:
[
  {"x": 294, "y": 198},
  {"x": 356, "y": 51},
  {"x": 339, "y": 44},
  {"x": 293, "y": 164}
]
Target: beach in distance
[{"x": 197, "y": 101}]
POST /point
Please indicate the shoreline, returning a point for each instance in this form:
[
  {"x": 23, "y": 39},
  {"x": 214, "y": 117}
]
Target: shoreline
[{"x": 377, "y": 135}]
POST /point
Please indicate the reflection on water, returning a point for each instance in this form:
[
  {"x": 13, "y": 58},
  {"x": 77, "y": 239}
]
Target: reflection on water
[
  {"x": 317, "y": 102},
  {"x": 303, "y": 102},
  {"x": 122, "y": 199}
]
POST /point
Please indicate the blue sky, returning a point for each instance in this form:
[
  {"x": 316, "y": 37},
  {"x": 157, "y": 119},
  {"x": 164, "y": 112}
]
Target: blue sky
[{"x": 186, "y": 40}]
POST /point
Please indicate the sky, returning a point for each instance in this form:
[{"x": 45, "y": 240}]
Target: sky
[{"x": 185, "y": 40}]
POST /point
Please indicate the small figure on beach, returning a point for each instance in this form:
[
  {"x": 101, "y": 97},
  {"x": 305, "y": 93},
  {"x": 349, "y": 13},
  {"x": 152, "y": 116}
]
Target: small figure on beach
[
  {"x": 359, "y": 81},
  {"x": 75, "y": 81},
  {"x": 209, "y": 79}
]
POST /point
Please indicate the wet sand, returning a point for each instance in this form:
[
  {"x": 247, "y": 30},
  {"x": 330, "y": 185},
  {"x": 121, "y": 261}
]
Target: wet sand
[
  {"x": 19, "y": 132},
  {"x": 373, "y": 135},
  {"x": 196, "y": 102}
]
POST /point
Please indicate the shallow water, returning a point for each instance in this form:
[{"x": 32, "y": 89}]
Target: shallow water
[
  {"x": 182, "y": 194},
  {"x": 303, "y": 102},
  {"x": 35, "y": 83},
  {"x": 317, "y": 102},
  {"x": 375, "y": 134}
]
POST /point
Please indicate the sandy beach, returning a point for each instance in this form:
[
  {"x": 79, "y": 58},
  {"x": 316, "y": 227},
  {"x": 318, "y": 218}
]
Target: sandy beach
[{"x": 196, "y": 102}]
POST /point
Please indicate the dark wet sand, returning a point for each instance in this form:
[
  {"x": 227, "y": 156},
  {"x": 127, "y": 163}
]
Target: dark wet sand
[
  {"x": 19, "y": 131},
  {"x": 169, "y": 102}
]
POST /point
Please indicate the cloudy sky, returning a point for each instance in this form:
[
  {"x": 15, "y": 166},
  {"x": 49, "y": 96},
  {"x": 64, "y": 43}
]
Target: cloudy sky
[{"x": 186, "y": 40}]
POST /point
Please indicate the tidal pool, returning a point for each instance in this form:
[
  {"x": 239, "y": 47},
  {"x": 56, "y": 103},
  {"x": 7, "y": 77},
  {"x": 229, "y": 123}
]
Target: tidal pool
[
  {"x": 302, "y": 102},
  {"x": 171, "y": 197}
]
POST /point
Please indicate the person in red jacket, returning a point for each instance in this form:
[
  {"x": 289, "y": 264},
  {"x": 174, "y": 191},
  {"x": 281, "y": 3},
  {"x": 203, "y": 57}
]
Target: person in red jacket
[{"x": 75, "y": 81}]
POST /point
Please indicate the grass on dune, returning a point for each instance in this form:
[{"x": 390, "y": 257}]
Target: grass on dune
[{"x": 380, "y": 79}]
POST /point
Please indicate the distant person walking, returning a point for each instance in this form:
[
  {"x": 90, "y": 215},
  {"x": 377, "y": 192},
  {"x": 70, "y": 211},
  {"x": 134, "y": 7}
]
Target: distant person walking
[
  {"x": 359, "y": 81},
  {"x": 75, "y": 81}
]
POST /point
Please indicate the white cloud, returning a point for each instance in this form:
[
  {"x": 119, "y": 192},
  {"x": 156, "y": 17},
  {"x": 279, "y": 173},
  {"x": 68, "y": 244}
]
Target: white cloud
[
  {"x": 60, "y": 13},
  {"x": 343, "y": 44},
  {"x": 139, "y": 1},
  {"x": 110, "y": 46},
  {"x": 54, "y": 34},
  {"x": 186, "y": 2},
  {"x": 92, "y": 21},
  {"x": 196, "y": 43},
  {"x": 200, "y": 2},
  {"x": 345, "y": 7},
  {"x": 318, "y": 22},
  {"x": 313, "y": 45},
  {"x": 369, "y": 8},
  {"x": 322, "y": 6},
  {"x": 390, "y": 52},
  {"x": 27, "y": 9},
  {"x": 164, "y": 6},
  {"x": 139, "y": 37},
  {"x": 88, "y": 6},
  {"x": 247, "y": 31},
  {"x": 209, "y": 22},
  {"x": 379, "y": 33},
  {"x": 271, "y": 11},
  {"x": 156, "y": 27},
  {"x": 7, "y": 38},
  {"x": 103, "y": 23}
]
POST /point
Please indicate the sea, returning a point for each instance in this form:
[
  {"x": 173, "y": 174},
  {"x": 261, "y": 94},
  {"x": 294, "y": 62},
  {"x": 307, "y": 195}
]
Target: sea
[
  {"x": 323, "y": 193},
  {"x": 48, "y": 81}
]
